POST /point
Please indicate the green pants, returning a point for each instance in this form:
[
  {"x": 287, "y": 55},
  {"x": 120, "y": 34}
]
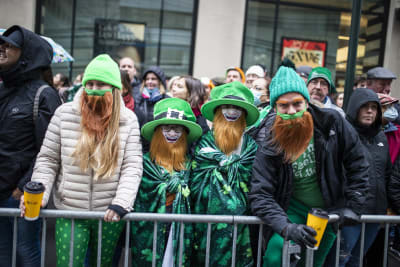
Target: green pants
[
  {"x": 86, "y": 236},
  {"x": 297, "y": 213}
]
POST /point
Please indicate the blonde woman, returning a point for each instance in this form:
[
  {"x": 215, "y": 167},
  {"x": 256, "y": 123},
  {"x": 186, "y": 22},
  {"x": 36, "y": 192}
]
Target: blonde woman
[{"x": 92, "y": 156}]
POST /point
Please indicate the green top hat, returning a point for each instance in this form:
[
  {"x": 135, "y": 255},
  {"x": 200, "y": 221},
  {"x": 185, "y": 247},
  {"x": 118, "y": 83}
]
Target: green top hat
[
  {"x": 234, "y": 93},
  {"x": 173, "y": 111}
]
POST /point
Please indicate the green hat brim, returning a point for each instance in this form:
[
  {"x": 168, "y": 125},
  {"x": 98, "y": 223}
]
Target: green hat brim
[
  {"x": 195, "y": 130},
  {"x": 252, "y": 112}
]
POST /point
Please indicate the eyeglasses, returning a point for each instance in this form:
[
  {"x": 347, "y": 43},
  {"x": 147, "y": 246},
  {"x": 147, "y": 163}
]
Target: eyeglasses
[{"x": 322, "y": 82}]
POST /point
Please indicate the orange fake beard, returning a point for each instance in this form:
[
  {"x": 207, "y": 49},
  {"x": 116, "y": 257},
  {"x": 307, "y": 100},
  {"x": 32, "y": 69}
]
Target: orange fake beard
[
  {"x": 293, "y": 136},
  {"x": 171, "y": 156},
  {"x": 228, "y": 134},
  {"x": 96, "y": 113}
]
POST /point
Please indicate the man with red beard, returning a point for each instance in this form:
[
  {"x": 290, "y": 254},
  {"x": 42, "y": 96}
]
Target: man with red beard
[
  {"x": 307, "y": 158},
  {"x": 221, "y": 174}
]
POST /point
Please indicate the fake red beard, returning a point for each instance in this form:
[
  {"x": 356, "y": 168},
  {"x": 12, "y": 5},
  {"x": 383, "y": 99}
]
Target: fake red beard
[
  {"x": 228, "y": 134},
  {"x": 96, "y": 113},
  {"x": 293, "y": 136},
  {"x": 171, "y": 156}
]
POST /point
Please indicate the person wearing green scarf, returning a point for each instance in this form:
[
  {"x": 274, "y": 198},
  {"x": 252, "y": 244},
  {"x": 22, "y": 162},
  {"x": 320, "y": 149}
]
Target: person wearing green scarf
[
  {"x": 165, "y": 184},
  {"x": 221, "y": 174},
  {"x": 307, "y": 158}
]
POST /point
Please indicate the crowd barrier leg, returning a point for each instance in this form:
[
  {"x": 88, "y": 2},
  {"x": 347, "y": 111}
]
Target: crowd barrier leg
[
  {"x": 259, "y": 247},
  {"x": 385, "y": 251},
  {"x": 285, "y": 254},
  {"x": 362, "y": 243},
  {"x": 181, "y": 233},
  {"x": 14, "y": 250},
  {"x": 71, "y": 244},
  {"x": 338, "y": 236},
  {"x": 287, "y": 250},
  {"x": 154, "y": 244},
  {"x": 234, "y": 245},
  {"x": 309, "y": 257},
  {"x": 126, "y": 256},
  {"x": 43, "y": 247},
  {"x": 208, "y": 244},
  {"x": 99, "y": 243}
]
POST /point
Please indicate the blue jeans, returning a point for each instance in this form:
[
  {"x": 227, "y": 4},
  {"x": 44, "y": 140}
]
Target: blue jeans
[
  {"x": 28, "y": 238},
  {"x": 350, "y": 243}
]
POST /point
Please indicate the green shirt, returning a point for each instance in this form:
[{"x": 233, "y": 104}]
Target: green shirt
[{"x": 306, "y": 187}]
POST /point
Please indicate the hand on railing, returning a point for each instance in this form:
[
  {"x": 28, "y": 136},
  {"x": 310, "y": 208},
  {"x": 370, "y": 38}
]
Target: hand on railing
[
  {"x": 111, "y": 216},
  {"x": 346, "y": 217},
  {"x": 300, "y": 234},
  {"x": 22, "y": 205}
]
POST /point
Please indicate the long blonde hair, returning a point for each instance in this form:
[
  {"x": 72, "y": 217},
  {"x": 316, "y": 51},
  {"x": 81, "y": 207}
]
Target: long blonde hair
[{"x": 101, "y": 155}]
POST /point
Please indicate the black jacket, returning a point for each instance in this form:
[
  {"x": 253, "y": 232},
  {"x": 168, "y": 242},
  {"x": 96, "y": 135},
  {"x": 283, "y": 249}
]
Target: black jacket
[
  {"x": 144, "y": 111},
  {"x": 393, "y": 188},
  {"x": 376, "y": 150},
  {"x": 20, "y": 137},
  {"x": 337, "y": 151}
]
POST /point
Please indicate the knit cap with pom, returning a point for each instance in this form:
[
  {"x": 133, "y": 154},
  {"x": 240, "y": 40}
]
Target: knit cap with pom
[{"x": 286, "y": 80}]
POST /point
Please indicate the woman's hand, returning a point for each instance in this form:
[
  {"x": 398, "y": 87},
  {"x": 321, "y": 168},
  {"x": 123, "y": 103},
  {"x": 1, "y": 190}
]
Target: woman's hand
[
  {"x": 111, "y": 216},
  {"x": 22, "y": 205}
]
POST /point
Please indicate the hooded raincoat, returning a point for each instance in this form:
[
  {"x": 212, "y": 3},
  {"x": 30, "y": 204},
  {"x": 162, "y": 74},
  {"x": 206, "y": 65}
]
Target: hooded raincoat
[
  {"x": 21, "y": 137},
  {"x": 376, "y": 150}
]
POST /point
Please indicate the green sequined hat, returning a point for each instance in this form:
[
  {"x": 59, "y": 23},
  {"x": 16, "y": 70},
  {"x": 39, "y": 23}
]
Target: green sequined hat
[
  {"x": 173, "y": 111},
  {"x": 234, "y": 93}
]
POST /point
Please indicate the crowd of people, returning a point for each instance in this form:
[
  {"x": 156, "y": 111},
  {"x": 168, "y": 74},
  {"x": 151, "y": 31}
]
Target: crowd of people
[{"x": 253, "y": 143}]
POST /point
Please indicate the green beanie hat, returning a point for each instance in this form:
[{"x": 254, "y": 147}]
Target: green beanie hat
[
  {"x": 324, "y": 73},
  {"x": 103, "y": 68},
  {"x": 286, "y": 80}
]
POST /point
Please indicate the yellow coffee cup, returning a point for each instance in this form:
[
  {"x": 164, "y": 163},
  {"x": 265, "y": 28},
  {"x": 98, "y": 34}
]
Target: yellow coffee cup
[
  {"x": 318, "y": 219},
  {"x": 33, "y": 194}
]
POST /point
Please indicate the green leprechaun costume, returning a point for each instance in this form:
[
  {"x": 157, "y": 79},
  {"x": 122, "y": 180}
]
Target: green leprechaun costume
[
  {"x": 220, "y": 177},
  {"x": 165, "y": 189}
]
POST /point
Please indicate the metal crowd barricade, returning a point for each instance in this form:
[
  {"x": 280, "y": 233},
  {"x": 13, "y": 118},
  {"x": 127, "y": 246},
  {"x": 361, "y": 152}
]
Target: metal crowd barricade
[{"x": 187, "y": 218}]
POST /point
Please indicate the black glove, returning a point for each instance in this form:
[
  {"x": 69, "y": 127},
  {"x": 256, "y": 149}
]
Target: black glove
[
  {"x": 300, "y": 234},
  {"x": 346, "y": 217}
]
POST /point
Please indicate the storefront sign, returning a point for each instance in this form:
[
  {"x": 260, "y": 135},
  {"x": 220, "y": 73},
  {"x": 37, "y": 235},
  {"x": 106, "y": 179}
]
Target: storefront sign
[
  {"x": 304, "y": 52},
  {"x": 119, "y": 39}
]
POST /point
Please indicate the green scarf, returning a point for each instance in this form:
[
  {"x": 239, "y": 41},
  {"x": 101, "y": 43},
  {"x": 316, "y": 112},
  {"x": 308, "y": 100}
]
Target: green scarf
[
  {"x": 291, "y": 116},
  {"x": 219, "y": 185},
  {"x": 99, "y": 92},
  {"x": 151, "y": 197}
]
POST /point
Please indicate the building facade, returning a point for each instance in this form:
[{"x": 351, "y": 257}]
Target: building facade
[{"x": 204, "y": 37}]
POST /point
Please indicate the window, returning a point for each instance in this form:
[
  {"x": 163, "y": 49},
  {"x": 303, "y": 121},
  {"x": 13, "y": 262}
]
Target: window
[{"x": 167, "y": 24}]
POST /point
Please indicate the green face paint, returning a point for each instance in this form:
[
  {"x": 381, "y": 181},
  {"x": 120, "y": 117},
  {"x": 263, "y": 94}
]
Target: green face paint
[
  {"x": 291, "y": 116},
  {"x": 97, "y": 92}
]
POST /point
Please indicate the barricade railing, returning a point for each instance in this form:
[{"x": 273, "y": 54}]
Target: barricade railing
[{"x": 182, "y": 219}]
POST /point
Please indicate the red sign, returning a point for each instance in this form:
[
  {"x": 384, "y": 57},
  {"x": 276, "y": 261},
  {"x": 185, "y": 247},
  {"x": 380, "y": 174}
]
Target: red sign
[{"x": 304, "y": 52}]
